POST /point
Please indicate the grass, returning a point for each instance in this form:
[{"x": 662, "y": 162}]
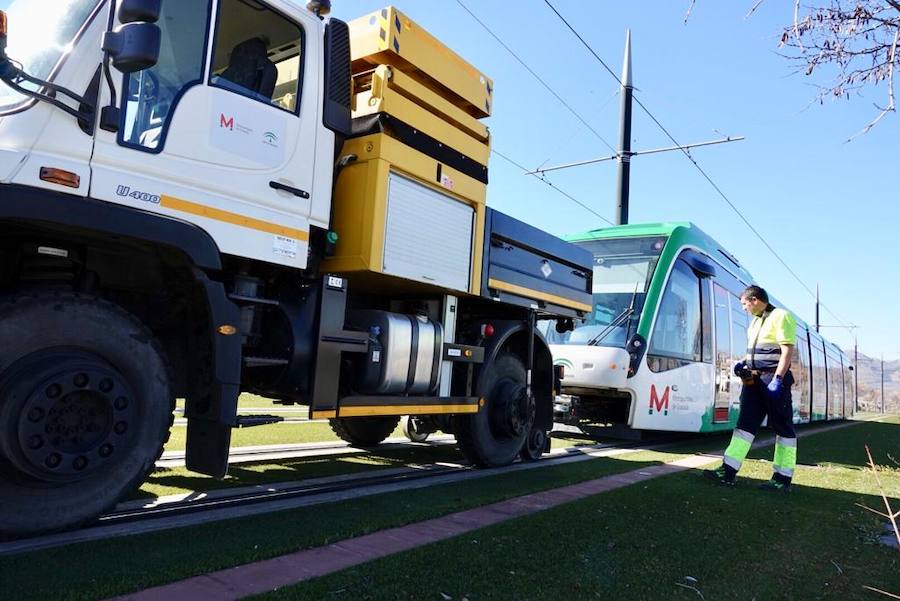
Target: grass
[
  {"x": 654, "y": 535},
  {"x": 643, "y": 542},
  {"x": 102, "y": 569}
]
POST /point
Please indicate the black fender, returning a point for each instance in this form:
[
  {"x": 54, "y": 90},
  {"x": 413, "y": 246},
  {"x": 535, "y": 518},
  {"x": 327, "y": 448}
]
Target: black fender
[
  {"x": 211, "y": 406},
  {"x": 512, "y": 335}
]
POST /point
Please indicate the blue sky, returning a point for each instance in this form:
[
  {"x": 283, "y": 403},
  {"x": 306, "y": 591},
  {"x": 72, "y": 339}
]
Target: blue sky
[{"x": 826, "y": 206}]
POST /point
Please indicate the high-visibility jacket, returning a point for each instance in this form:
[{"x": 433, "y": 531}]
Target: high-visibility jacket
[{"x": 765, "y": 336}]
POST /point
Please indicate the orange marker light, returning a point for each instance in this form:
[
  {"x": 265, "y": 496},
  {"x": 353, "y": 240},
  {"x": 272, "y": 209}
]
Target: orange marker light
[
  {"x": 227, "y": 330},
  {"x": 3, "y": 23},
  {"x": 60, "y": 177}
]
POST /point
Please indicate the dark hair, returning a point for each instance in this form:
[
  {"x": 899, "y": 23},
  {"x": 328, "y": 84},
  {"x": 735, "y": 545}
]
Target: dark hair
[{"x": 755, "y": 292}]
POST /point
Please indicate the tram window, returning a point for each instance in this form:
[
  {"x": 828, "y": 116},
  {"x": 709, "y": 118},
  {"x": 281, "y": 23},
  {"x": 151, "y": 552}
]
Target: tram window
[
  {"x": 738, "y": 331},
  {"x": 678, "y": 332},
  {"x": 723, "y": 339},
  {"x": 800, "y": 367}
]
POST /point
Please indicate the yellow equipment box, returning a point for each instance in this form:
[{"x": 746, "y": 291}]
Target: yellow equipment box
[
  {"x": 388, "y": 37},
  {"x": 389, "y": 90},
  {"x": 402, "y": 213}
]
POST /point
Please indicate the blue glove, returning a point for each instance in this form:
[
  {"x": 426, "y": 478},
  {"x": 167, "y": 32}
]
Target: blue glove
[
  {"x": 775, "y": 386},
  {"x": 739, "y": 366}
]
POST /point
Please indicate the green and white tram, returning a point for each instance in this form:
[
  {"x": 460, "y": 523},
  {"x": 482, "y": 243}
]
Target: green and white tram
[{"x": 666, "y": 328}]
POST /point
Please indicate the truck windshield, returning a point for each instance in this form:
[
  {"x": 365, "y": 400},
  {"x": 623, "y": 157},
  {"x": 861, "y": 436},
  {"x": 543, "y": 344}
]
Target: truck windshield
[
  {"x": 40, "y": 33},
  {"x": 623, "y": 268}
]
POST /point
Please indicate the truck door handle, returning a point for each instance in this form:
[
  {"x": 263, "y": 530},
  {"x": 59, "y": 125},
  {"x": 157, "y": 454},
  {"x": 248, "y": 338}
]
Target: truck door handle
[{"x": 291, "y": 189}]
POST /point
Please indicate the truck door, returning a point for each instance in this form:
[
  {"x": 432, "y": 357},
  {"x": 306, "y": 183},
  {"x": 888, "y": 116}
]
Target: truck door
[{"x": 222, "y": 131}]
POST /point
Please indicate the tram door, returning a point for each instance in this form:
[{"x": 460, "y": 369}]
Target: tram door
[
  {"x": 739, "y": 324},
  {"x": 724, "y": 376}
]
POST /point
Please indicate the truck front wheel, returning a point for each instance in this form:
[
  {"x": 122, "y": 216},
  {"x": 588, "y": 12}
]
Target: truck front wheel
[{"x": 85, "y": 408}]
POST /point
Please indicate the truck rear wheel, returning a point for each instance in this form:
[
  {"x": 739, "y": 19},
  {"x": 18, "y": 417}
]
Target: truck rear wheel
[
  {"x": 495, "y": 435},
  {"x": 364, "y": 431},
  {"x": 85, "y": 408}
]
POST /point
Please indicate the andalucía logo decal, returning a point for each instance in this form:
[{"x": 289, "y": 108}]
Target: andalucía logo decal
[{"x": 565, "y": 363}]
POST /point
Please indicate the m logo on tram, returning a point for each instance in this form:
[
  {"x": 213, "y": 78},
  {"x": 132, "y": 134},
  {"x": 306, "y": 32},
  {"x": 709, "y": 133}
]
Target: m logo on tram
[{"x": 660, "y": 404}]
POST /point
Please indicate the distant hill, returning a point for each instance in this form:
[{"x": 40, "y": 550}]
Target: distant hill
[{"x": 869, "y": 375}]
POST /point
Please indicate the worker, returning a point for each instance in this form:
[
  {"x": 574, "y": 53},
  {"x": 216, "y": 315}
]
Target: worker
[{"x": 766, "y": 377}]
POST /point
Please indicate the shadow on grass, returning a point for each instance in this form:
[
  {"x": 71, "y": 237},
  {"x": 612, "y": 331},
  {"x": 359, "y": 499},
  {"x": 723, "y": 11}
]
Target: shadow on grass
[{"x": 264, "y": 472}]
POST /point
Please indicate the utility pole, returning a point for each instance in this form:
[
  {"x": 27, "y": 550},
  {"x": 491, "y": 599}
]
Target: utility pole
[
  {"x": 855, "y": 374},
  {"x": 624, "y": 153},
  {"x": 817, "y": 307},
  {"x": 882, "y": 382}
]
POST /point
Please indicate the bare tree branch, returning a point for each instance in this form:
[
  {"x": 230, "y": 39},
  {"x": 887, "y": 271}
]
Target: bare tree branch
[
  {"x": 753, "y": 9},
  {"x": 891, "y": 107},
  {"x": 853, "y": 40}
]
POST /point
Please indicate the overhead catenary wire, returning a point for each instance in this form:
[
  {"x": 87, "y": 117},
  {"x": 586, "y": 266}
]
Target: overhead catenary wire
[
  {"x": 549, "y": 183},
  {"x": 693, "y": 161},
  {"x": 536, "y": 76}
]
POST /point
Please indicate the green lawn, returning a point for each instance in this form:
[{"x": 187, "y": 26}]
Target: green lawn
[
  {"x": 633, "y": 543},
  {"x": 642, "y": 542},
  {"x": 101, "y": 569}
]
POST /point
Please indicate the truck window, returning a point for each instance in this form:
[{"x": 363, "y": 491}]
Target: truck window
[
  {"x": 257, "y": 54},
  {"x": 150, "y": 95},
  {"x": 677, "y": 334}
]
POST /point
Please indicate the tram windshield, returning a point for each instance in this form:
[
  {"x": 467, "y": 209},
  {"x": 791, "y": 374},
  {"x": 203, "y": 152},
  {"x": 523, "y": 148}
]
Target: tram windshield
[{"x": 623, "y": 268}]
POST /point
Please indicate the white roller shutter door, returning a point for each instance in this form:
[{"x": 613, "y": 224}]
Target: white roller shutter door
[{"x": 428, "y": 235}]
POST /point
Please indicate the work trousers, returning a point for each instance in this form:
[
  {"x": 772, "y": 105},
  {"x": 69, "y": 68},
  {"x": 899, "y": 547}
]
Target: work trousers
[{"x": 757, "y": 403}]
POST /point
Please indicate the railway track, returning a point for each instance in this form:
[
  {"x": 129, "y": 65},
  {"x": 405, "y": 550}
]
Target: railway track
[
  {"x": 140, "y": 516},
  {"x": 312, "y": 449}
]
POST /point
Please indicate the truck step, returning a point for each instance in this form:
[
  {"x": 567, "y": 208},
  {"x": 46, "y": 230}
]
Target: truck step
[
  {"x": 252, "y": 300},
  {"x": 248, "y": 421},
  {"x": 264, "y": 362}
]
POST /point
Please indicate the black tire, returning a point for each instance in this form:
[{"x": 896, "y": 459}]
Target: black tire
[
  {"x": 534, "y": 445},
  {"x": 364, "y": 431},
  {"x": 414, "y": 429},
  {"x": 490, "y": 438},
  {"x": 85, "y": 386}
]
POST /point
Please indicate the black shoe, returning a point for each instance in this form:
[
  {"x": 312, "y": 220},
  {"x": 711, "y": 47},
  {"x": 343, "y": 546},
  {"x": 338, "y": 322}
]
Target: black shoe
[
  {"x": 720, "y": 476},
  {"x": 776, "y": 486}
]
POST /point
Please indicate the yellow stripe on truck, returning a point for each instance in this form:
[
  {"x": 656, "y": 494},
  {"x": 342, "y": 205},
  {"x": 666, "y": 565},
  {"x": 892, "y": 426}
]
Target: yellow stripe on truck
[
  {"x": 193, "y": 208},
  {"x": 405, "y": 410},
  {"x": 529, "y": 293}
]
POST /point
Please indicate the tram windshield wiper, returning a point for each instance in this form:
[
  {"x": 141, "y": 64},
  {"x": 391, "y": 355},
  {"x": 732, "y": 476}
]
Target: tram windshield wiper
[{"x": 617, "y": 320}]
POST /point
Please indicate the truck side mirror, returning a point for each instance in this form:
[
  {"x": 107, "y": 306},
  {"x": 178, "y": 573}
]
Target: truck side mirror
[
  {"x": 133, "y": 46},
  {"x": 132, "y": 11}
]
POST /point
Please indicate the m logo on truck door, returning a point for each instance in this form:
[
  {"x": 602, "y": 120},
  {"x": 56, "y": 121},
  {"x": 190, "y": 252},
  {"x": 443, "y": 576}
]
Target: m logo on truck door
[
  {"x": 660, "y": 404},
  {"x": 226, "y": 122}
]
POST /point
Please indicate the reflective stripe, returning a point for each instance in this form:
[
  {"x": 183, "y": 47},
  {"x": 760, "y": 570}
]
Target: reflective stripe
[
  {"x": 737, "y": 450},
  {"x": 785, "y": 459},
  {"x": 766, "y": 349},
  {"x": 786, "y": 442},
  {"x": 732, "y": 463},
  {"x": 743, "y": 434},
  {"x": 784, "y": 471}
]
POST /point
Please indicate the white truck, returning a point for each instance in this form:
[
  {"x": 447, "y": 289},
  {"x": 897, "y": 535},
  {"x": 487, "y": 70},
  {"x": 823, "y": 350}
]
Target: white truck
[{"x": 204, "y": 197}]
